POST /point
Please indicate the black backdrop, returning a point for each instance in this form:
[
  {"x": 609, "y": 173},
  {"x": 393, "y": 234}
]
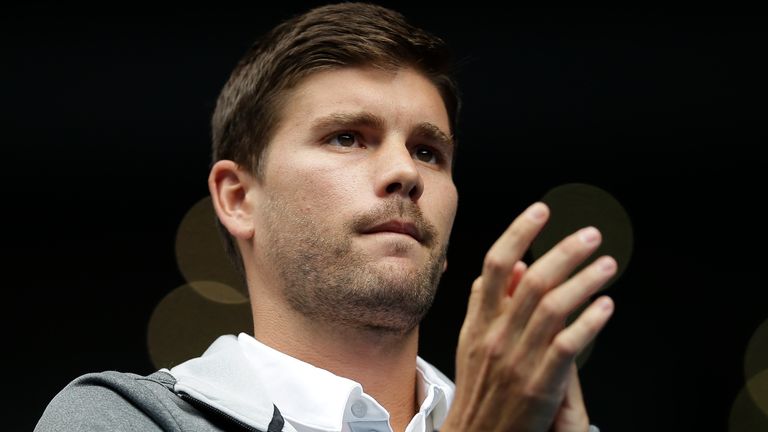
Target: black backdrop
[{"x": 106, "y": 146}]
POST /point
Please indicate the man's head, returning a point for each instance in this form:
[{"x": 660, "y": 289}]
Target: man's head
[
  {"x": 339, "y": 125},
  {"x": 333, "y": 36}
]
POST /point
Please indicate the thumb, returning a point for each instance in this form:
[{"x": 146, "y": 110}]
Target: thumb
[{"x": 572, "y": 415}]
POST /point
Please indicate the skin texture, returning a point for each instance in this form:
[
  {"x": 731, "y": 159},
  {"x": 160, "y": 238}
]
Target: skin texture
[
  {"x": 331, "y": 291},
  {"x": 328, "y": 292}
]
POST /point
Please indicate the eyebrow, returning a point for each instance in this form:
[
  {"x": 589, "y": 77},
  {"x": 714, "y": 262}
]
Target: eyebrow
[
  {"x": 367, "y": 119},
  {"x": 431, "y": 132}
]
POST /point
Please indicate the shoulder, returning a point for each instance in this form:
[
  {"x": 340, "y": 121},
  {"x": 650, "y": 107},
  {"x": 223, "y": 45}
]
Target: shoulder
[{"x": 114, "y": 401}]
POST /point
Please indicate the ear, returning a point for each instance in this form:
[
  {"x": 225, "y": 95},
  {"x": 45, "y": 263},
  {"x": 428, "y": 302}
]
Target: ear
[
  {"x": 445, "y": 264},
  {"x": 232, "y": 189}
]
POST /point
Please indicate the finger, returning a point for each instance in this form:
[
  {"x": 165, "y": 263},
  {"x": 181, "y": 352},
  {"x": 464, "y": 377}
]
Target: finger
[
  {"x": 570, "y": 341},
  {"x": 550, "y": 314},
  {"x": 507, "y": 251},
  {"x": 572, "y": 415},
  {"x": 573, "y": 396},
  {"x": 549, "y": 271},
  {"x": 517, "y": 274},
  {"x": 474, "y": 306}
]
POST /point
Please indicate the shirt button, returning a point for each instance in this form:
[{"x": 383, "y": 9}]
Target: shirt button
[{"x": 359, "y": 409}]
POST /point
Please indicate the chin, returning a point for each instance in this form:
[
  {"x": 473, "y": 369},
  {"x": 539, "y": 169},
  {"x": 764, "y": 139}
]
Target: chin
[{"x": 398, "y": 271}]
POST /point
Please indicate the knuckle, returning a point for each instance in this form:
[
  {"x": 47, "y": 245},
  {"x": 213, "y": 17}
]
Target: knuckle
[
  {"x": 510, "y": 375},
  {"x": 493, "y": 342},
  {"x": 532, "y": 393},
  {"x": 491, "y": 348},
  {"x": 471, "y": 351},
  {"x": 494, "y": 263},
  {"x": 477, "y": 286},
  {"x": 536, "y": 283},
  {"x": 510, "y": 371},
  {"x": 552, "y": 307},
  {"x": 478, "y": 346},
  {"x": 564, "y": 348}
]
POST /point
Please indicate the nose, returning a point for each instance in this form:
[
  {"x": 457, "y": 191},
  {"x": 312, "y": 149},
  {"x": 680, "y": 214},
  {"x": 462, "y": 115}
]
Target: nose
[{"x": 397, "y": 172}]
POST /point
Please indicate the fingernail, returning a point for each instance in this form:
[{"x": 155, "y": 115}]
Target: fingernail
[
  {"x": 606, "y": 264},
  {"x": 589, "y": 235},
  {"x": 537, "y": 212},
  {"x": 606, "y": 304}
]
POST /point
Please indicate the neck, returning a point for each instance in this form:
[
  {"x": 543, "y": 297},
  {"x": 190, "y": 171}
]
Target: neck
[{"x": 383, "y": 363}]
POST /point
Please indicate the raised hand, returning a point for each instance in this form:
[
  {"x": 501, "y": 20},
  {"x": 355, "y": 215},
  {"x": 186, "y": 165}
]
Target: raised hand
[{"x": 515, "y": 361}]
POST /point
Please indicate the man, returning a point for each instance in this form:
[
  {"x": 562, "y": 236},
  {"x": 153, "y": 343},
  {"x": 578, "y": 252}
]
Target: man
[{"x": 333, "y": 150}]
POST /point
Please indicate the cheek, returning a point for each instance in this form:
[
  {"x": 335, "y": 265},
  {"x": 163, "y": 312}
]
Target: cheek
[
  {"x": 445, "y": 201},
  {"x": 450, "y": 212},
  {"x": 319, "y": 193}
]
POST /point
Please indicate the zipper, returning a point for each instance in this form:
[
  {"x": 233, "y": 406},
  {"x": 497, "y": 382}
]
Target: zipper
[{"x": 217, "y": 411}]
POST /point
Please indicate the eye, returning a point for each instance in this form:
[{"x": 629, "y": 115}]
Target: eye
[
  {"x": 346, "y": 139},
  {"x": 426, "y": 154}
]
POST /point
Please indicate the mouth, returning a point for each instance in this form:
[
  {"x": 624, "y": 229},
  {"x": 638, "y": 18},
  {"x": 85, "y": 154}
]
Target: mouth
[{"x": 397, "y": 226}]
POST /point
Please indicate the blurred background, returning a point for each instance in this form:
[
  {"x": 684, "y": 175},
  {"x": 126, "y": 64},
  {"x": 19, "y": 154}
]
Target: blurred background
[{"x": 650, "y": 124}]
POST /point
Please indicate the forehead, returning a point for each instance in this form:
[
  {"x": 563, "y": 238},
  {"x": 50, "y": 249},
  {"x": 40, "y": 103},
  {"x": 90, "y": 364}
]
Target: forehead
[{"x": 403, "y": 97}]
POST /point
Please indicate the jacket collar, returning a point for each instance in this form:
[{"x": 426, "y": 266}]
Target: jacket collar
[
  {"x": 223, "y": 378},
  {"x": 243, "y": 378}
]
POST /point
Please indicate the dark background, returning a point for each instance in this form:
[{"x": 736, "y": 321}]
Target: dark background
[{"x": 106, "y": 146}]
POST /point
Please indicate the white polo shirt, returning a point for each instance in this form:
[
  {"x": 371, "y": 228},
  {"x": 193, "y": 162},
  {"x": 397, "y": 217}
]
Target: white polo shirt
[{"x": 315, "y": 400}]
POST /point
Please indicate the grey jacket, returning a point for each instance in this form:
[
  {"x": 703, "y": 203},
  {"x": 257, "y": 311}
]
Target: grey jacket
[
  {"x": 114, "y": 401},
  {"x": 215, "y": 392}
]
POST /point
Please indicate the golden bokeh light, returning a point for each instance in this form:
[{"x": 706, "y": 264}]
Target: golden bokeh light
[
  {"x": 185, "y": 323},
  {"x": 577, "y": 205},
  {"x": 757, "y": 387},
  {"x": 747, "y": 414},
  {"x": 201, "y": 258},
  {"x": 218, "y": 292},
  {"x": 756, "y": 357}
]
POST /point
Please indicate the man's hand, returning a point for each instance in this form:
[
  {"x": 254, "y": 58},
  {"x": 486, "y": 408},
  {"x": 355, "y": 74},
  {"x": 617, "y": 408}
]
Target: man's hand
[{"x": 515, "y": 361}]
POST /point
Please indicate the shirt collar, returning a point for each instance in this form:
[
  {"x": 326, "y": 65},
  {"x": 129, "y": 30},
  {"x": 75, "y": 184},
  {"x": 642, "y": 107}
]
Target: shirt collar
[{"x": 315, "y": 399}]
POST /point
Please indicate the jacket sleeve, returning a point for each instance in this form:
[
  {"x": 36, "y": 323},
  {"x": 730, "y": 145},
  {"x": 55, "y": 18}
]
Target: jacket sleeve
[{"x": 106, "y": 401}]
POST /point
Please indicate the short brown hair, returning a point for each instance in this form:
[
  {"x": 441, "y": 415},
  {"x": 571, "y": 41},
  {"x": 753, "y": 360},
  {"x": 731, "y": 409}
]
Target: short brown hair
[{"x": 333, "y": 36}]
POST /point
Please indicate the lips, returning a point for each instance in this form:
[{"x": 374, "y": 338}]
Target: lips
[{"x": 398, "y": 227}]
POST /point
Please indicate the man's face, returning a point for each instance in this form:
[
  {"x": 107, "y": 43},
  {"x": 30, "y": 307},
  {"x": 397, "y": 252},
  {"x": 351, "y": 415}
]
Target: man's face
[{"x": 358, "y": 197}]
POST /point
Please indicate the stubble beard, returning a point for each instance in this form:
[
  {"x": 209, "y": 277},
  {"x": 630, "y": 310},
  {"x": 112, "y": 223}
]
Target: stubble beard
[{"x": 329, "y": 281}]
